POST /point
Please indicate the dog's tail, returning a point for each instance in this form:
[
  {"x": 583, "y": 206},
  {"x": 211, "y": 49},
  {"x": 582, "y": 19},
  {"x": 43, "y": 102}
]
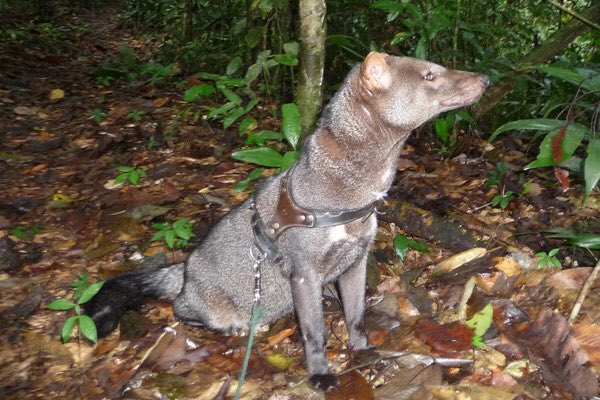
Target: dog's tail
[{"x": 125, "y": 292}]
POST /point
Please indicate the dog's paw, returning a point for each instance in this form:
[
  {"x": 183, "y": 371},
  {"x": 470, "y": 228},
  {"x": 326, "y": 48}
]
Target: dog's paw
[{"x": 324, "y": 382}]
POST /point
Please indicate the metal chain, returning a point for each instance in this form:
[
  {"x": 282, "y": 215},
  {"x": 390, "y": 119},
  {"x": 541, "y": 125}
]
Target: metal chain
[{"x": 258, "y": 260}]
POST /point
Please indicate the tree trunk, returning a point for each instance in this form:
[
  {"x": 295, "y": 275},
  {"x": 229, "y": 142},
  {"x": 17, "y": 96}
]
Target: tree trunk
[
  {"x": 312, "y": 61},
  {"x": 552, "y": 46}
]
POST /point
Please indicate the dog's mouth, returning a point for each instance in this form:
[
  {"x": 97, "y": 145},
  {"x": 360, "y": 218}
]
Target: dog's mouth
[{"x": 465, "y": 98}]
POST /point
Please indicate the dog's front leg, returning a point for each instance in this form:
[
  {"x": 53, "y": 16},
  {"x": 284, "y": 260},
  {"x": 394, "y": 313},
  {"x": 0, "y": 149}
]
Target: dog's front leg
[
  {"x": 307, "y": 294},
  {"x": 352, "y": 289}
]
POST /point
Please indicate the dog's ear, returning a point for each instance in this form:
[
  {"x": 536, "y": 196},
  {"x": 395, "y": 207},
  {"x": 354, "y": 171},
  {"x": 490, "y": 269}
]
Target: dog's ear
[{"x": 375, "y": 72}]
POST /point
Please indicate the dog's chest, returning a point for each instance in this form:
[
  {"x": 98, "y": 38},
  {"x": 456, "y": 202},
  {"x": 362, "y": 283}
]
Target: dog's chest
[{"x": 345, "y": 246}]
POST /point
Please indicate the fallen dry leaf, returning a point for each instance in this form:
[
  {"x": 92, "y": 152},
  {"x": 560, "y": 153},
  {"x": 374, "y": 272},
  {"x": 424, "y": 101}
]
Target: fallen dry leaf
[{"x": 446, "y": 339}]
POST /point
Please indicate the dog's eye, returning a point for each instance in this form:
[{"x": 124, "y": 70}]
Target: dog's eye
[{"x": 429, "y": 76}]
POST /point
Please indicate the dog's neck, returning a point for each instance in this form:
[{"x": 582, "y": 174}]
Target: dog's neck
[{"x": 349, "y": 170}]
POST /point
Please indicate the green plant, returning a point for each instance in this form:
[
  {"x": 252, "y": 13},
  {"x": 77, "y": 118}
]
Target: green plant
[
  {"x": 503, "y": 199},
  {"x": 445, "y": 128},
  {"x": 157, "y": 73},
  {"x": 547, "y": 260},
  {"x": 585, "y": 240},
  {"x": 176, "y": 235},
  {"x": 83, "y": 292},
  {"x": 26, "y": 232},
  {"x": 131, "y": 174},
  {"x": 480, "y": 322},
  {"x": 135, "y": 116},
  {"x": 402, "y": 244},
  {"x": 266, "y": 156},
  {"x": 98, "y": 115},
  {"x": 497, "y": 174},
  {"x": 562, "y": 137}
]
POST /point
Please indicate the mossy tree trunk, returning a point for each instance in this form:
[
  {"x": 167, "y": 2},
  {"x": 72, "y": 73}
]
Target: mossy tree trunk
[{"x": 312, "y": 61}]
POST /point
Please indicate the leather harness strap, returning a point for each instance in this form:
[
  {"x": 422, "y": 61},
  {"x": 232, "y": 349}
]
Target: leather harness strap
[{"x": 289, "y": 214}]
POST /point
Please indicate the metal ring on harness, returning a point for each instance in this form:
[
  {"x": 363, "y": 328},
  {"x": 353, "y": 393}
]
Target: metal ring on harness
[{"x": 257, "y": 259}]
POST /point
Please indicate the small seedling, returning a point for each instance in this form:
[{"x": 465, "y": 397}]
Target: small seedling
[
  {"x": 151, "y": 143},
  {"x": 503, "y": 199},
  {"x": 549, "y": 259},
  {"x": 135, "y": 116},
  {"x": 176, "y": 235},
  {"x": 131, "y": 174},
  {"x": 496, "y": 175},
  {"x": 84, "y": 291},
  {"x": 480, "y": 322},
  {"x": 98, "y": 115},
  {"x": 402, "y": 244},
  {"x": 26, "y": 232},
  {"x": 104, "y": 80}
]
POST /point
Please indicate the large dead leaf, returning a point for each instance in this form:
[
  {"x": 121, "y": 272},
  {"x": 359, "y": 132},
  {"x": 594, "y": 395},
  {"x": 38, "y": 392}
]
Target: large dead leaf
[
  {"x": 447, "y": 339},
  {"x": 550, "y": 344}
]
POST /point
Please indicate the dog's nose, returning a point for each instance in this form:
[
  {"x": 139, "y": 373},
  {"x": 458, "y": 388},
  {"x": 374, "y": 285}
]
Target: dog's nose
[{"x": 484, "y": 80}]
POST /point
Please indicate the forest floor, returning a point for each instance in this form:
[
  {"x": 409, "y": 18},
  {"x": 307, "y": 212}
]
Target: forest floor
[{"x": 63, "y": 216}]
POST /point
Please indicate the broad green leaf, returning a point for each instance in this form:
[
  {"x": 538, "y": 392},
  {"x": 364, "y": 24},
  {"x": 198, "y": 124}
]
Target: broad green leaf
[
  {"x": 224, "y": 109},
  {"x": 90, "y": 292},
  {"x": 229, "y": 82},
  {"x": 289, "y": 158},
  {"x": 67, "y": 328},
  {"x": 251, "y": 104},
  {"x": 198, "y": 90},
  {"x": 286, "y": 59},
  {"x": 264, "y": 156},
  {"x": 61, "y": 305},
  {"x": 233, "y": 66},
  {"x": 260, "y": 137},
  {"x": 538, "y": 124},
  {"x": 292, "y": 48},
  {"x": 232, "y": 117},
  {"x": 121, "y": 177},
  {"x": 87, "y": 327},
  {"x": 421, "y": 50},
  {"x": 254, "y": 36},
  {"x": 83, "y": 279},
  {"x": 134, "y": 177},
  {"x": 209, "y": 76},
  {"x": 158, "y": 235},
  {"x": 183, "y": 228},
  {"x": 482, "y": 320},
  {"x": 591, "y": 166},
  {"x": 580, "y": 239},
  {"x": 586, "y": 240},
  {"x": 401, "y": 246},
  {"x": 291, "y": 123},
  {"x": 232, "y": 96},
  {"x": 588, "y": 79},
  {"x": 247, "y": 124},
  {"x": 253, "y": 72},
  {"x": 441, "y": 128},
  {"x": 464, "y": 115},
  {"x": 545, "y": 157},
  {"x": 125, "y": 168},
  {"x": 170, "y": 238}
]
